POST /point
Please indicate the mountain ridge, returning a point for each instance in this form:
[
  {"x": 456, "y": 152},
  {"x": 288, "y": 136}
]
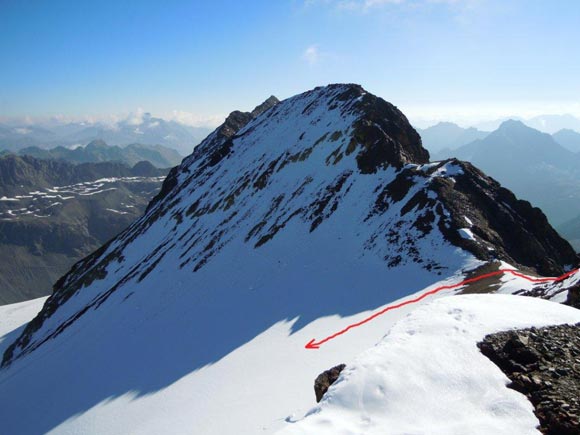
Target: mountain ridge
[
  {"x": 322, "y": 207},
  {"x": 373, "y": 149},
  {"x": 530, "y": 163},
  {"x": 98, "y": 151},
  {"x": 53, "y": 213}
]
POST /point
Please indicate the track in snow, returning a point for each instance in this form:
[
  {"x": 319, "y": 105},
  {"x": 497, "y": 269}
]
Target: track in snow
[{"x": 313, "y": 344}]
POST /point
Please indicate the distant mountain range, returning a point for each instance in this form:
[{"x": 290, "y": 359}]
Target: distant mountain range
[
  {"x": 571, "y": 231},
  {"x": 448, "y": 136},
  {"x": 532, "y": 164},
  {"x": 147, "y": 130},
  {"x": 444, "y": 137},
  {"x": 98, "y": 151},
  {"x": 53, "y": 213},
  {"x": 546, "y": 123}
]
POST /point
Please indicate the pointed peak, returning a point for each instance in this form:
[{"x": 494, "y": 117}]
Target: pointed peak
[
  {"x": 269, "y": 103},
  {"x": 445, "y": 124},
  {"x": 97, "y": 143},
  {"x": 234, "y": 122},
  {"x": 512, "y": 124}
]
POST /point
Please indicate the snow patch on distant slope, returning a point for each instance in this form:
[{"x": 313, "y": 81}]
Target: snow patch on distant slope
[{"x": 428, "y": 376}]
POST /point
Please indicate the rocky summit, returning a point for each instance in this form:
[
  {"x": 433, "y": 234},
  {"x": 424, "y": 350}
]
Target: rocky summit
[{"x": 283, "y": 221}]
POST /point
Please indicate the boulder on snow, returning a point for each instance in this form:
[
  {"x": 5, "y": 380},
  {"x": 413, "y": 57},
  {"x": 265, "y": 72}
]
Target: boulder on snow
[
  {"x": 573, "y": 298},
  {"x": 325, "y": 380}
]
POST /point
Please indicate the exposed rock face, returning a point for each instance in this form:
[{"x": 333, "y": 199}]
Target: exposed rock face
[
  {"x": 386, "y": 135},
  {"x": 497, "y": 217},
  {"x": 460, "y": 197},
  {"x": 325, "y": 380},
  {"x": 543, "y": 364}
]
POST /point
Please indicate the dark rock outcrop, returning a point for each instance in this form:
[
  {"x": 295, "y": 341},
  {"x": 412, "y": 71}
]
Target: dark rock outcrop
[
  {"x": 544, "y": 365},
  {"x": 325, "y": 380},
  {"x": 511, "y": 229},
  {"x": 573, "y": 298}
]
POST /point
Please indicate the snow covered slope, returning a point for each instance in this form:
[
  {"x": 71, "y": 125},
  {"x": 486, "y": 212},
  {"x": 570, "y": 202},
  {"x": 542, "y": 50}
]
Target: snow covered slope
[
  {"x": 428, "y": 376},
  {"x": 14, "y": 317},
  {"x": 284, "y": 224}
]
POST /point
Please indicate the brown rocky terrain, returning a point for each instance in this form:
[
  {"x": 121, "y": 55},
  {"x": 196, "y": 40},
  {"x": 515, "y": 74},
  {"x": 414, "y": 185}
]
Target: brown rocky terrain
[{"x": 544, "y": 365}]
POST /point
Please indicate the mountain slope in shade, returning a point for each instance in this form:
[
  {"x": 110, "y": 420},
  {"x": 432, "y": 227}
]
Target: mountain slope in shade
[
  {"x": 282, "y": 225},
  {"x": 531, "y": 164},
  {"x": 54, "y": 213},
  {"x": 571, "y": 231}
]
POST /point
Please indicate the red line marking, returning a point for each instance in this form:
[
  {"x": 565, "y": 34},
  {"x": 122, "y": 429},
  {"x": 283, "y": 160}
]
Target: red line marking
[{"x": 313, "y": 344}]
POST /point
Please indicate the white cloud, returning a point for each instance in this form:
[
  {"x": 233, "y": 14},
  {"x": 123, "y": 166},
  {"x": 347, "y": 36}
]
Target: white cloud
[
  {"x": 112, "y": 121},
  {"x": 195, "y": 120},
  {"x": 311, "y": 54},
  {"x": 365, "y": 5},
  {"x": 136, "y": 118}
]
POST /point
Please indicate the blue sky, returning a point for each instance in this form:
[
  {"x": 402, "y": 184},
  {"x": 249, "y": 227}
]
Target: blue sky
[{"x": 199, "y": 60}]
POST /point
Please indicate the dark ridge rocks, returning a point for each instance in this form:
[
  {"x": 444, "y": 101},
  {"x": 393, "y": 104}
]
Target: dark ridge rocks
[
  {"x": 386, "y": 135},
  {"x": 269, "y": 103},
  {"x": 382, "y": 135},
  {"x": 325, "y": 380},
  {"x": 397, "y": 189},
  {"x": 168, "y": 185},
  {"x": 507, "y": 228},
  {"x": 544, "y": 365}
]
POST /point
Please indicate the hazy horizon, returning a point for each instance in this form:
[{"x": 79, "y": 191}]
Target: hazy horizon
[{"x": 195, "y": 62}]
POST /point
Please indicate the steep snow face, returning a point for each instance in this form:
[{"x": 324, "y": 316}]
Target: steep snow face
[
  {"x": 283, "y": 225},
  {"x": 428, "y": 376}
]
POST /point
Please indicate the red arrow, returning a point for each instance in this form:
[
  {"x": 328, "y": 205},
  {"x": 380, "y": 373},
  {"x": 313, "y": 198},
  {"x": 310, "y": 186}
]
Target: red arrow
[{"x": 313, "y": 344}]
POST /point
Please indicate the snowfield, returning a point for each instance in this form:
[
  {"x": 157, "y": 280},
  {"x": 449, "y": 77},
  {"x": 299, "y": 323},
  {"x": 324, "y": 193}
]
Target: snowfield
[{"x": 427, "y": 375}]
